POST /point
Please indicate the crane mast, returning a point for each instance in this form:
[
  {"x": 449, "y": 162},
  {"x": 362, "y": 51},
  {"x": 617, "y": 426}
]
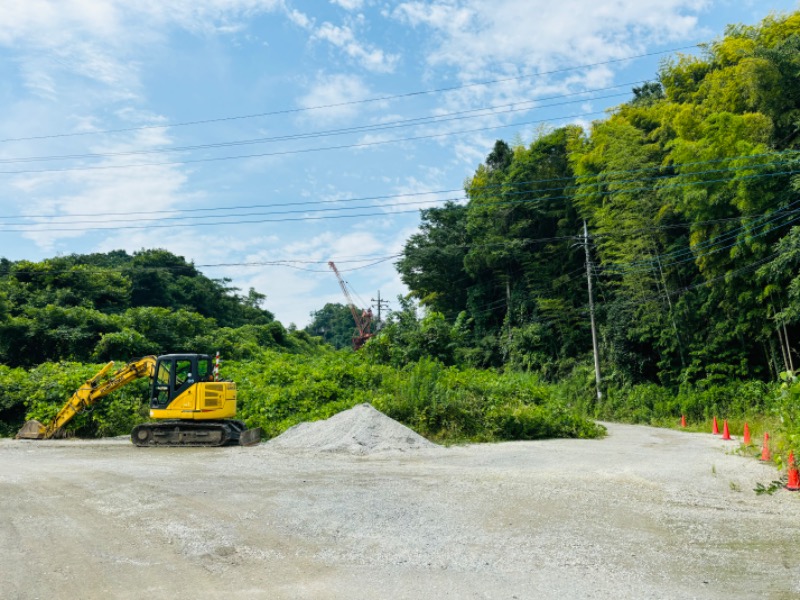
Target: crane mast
[{"x": 363, "y": 319}]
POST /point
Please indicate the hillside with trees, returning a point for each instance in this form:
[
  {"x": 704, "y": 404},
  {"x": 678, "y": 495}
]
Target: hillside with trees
[
  {"x": 690, "y": 196},
  {"x": 99, "y": 307}
]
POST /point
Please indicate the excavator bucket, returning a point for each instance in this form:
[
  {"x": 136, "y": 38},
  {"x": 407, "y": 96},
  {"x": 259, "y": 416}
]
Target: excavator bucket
[
  {"x": 32, "y": 430},
  {"x": 250, "y": 437}
]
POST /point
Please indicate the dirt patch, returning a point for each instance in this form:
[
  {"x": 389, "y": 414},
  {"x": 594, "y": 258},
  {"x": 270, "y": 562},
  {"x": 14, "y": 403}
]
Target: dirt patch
[
  {"x": 641, "y": 514},
  {"x": 361, "y": 430}
]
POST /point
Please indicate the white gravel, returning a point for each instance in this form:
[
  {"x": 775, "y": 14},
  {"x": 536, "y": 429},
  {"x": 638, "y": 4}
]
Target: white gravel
[
  {"x": 361, "y": 430},
  {"x": 644, "y": 513}
]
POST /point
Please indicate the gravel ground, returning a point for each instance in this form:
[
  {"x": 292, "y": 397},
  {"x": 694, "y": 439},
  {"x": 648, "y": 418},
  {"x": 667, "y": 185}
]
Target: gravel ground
[{"x": 644, "y": 513}]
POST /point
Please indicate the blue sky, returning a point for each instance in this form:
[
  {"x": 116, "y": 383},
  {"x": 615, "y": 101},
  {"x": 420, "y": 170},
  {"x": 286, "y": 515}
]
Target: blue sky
[{"x": 89, "y": 89}]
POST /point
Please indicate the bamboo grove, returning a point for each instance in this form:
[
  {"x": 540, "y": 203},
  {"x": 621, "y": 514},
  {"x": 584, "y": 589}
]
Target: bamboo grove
[{"x": 690, "y": 195}]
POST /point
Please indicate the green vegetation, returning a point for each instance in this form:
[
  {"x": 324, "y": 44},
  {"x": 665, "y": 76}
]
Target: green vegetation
[
  {"x": 443, "y": 403},
  {"x": 689, "y": 192},
  {"x": 40, "y": 392},
  {"x": 278, "y": 390},
  {"x": 334, "y": 324},
  {"x": 116, "y": 306}
]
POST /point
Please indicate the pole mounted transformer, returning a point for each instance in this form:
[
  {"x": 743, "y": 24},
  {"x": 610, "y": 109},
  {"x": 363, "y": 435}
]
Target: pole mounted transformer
[{"x": 362, "y": 318}]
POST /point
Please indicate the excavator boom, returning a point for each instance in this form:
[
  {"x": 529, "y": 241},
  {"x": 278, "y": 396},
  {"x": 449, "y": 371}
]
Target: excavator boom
[{"x": 86, "y": 395}]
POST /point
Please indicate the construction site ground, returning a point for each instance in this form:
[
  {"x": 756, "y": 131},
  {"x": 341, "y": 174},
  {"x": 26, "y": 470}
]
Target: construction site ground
[{"x": 643, "y": 513}]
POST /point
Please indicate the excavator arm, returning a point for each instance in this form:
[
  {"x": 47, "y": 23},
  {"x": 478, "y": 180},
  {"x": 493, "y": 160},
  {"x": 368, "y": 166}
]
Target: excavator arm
[{"x": 90, "y": 392}]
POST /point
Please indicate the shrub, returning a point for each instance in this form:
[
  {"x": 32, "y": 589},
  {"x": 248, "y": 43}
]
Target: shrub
[{"x": 277, "y": 390}]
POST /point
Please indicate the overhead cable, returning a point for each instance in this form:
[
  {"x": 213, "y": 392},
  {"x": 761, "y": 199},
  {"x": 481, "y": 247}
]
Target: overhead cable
[{"x": 354, "y": 102}]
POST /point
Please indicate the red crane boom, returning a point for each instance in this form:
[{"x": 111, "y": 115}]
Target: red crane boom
[{"x": 363, "y": 319}]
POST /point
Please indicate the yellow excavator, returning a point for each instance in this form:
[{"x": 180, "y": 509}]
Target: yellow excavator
[{"x": 190, "y": 408}]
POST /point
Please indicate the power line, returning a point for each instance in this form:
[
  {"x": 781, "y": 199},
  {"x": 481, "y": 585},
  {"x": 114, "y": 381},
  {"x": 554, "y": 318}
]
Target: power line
[
  {"x": 315, "y": 217},
  {"x": 299, "y": 151},
  {"x": 703, "y": 255},
  {"x": 481, "y": 189},
  {"x": 351, "y": 102},
  {"x": 727, "y": 275},
  {"x": 714, "y": 243},
  {"x": 429, "y": 120}
]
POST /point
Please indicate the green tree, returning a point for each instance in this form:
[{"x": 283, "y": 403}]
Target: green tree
[{"x": 334, "y": 324}]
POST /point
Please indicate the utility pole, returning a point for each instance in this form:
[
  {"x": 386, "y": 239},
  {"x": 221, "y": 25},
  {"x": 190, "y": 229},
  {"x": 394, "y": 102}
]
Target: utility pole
[
  {"x": 508, "y": 307},
  {"x": 380, "y": 303},
  {"x": 591, "y": 310}
]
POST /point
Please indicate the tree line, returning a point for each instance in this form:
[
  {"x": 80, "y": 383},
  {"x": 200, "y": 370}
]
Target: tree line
[
  {"x": 102, "y": 306},
  {"x": 689, "y": 192}
]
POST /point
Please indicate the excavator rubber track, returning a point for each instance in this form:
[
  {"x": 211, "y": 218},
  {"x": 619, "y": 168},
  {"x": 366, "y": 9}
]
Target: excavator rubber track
[{"x": 178, "y": 433}]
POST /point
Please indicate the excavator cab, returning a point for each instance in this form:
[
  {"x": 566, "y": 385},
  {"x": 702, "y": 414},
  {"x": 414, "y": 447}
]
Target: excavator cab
[{"x": 175, "y": 373}]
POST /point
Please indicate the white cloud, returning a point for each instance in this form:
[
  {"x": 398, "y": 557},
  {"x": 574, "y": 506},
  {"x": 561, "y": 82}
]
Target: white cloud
[
  {"x": 349, "y": 4},
  {"x": 300, "y": 19},
  {"x": 334, "y": 93},
  {"x": 52, "y": 22},
  {"x": 371, "y": 58},
  {"x": 335, "y": 245},
  {"x": 79, "y": 60},
  {"x": 474, "y": 34},
  {"x": 307, "y": 285},
  {"x": 415, "y": 194},
  {"x": 95, "y": 39},
  {"x": 343, "y": 37},
  {"x": 517, "y": 40},
  {"x": 74, "y": 194}
]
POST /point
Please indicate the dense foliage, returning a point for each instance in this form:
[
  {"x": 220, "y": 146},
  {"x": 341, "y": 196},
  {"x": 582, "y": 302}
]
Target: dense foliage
[
  {"x": 277, "y": 390},
  {"x": 334, "y": 324},
  {"x": 117, "y": 306},
  {"x": 690, "y": 194},
  {"x": 40, "y": 392}
]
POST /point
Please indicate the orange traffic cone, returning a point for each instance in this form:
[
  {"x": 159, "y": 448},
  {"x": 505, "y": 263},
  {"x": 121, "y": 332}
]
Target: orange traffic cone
[
  {"x": 683, "y": 420},
  {"x": 793, "y": 484},
  {"x": 746, "y": 438},
  {"x": 765, "y": 448},
  {"x": 715, "y": 427},
  {"x": 726, "y": 434}
]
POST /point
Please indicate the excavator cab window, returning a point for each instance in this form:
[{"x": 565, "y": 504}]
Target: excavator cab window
[
  {"x": 176, "y": 373},
  {"x": 184, "y": 376},
  {"x": 161, "y": 384}
]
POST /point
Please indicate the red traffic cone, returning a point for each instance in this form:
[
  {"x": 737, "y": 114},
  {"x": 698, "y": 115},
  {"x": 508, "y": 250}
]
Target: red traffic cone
[
  {"x": 746, "y": 438},
  {"x": 765, "y": 448},
  {"x": 726, "y": 434},
  {"x": 715, "y": 427},
  {"x": 793, "y": 484},
  {"x": 683, "y": 420}
]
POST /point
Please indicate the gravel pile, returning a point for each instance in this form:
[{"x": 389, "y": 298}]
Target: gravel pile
[{"x": 360, "y": 430}]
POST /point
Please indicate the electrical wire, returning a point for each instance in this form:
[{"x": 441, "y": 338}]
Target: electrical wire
[
  {"x": 482, "y": 188},
  {"x": 429, "y": 120},
  {"x": 13, "y": 227},
  {"x": 302, "y": 150},
  {"x": 351, "y": 102},
  {"x": 712, "y": 248},
  {"x": 728, "y": 275}
]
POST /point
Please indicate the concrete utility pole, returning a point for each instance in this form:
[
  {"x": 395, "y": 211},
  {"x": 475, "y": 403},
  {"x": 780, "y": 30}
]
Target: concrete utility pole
[
  {"x": 591, "y": 310},
  {"x": 380, "y": 303}
]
